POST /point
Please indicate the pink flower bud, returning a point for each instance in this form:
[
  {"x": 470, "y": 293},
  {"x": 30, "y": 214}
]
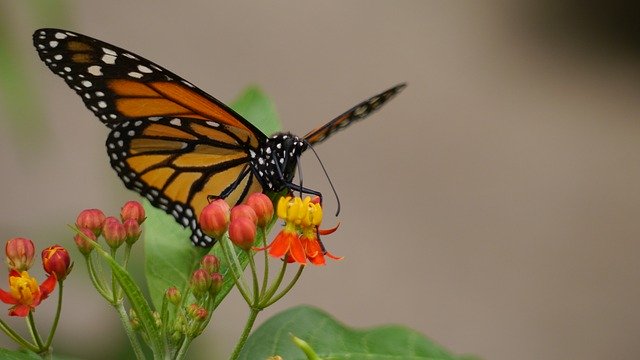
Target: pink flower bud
[
  {"x": 20, "y": 252},
  {"x": 114, "y": 232},
  {"x": 216, "y": 283},
  {"x": 133, "y": 231},
  {"x": 173, "y": 295},
  {"x": 56, "y": 260},
  {"x": 242, "y": 210},
  {"x": 242, "y": 232},
  {"x": 210, "y": 263},
  {"x": 84, "y": 246},
  {"x": 200, "y": 282},
  {"x": 132, "y": 210},
  {"x": 263, "y": 207},
  {"x": 91, "y": 219},
  {"x": 214, "y": 218}
]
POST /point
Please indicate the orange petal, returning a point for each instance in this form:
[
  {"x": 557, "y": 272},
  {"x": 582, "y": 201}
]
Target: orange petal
[
  {"x": 20, "y": 310},
  {"x": 280, "y": 245},
  {"x": 7, "y": 298},
  {"x": 317, "y": 260},
  {"x": 333, "y": 256},
  {"x": 297, "y": 251},
  {"x": 47, "y": 287},
  {"x": 328, "y": 231}
]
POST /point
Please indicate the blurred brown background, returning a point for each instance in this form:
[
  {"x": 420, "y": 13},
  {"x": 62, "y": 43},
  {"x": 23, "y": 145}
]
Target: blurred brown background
[{"x": 493, "y": 206}]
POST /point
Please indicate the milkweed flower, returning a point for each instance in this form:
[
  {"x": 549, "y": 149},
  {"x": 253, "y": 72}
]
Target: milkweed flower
[
  {"x": 56, "y": 261},
  {"x": 91, "y": 219},
  {"x": 132, "y": 210},
  {"x": 298, "y": 240},
  {"x": 20, "y": 253},
  {"x": 24, "y": 292},
  {"x": 242, "y": 232},
  {"x": 214, "y": 218},
  {"x": 262, "y": 206}
]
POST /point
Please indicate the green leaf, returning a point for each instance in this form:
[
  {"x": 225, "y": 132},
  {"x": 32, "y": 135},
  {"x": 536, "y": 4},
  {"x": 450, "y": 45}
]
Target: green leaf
[
  {"x": 331, "y": 339},
  {"x": 170, "y": 258},
  {"x": 255, "y": 106},
  {"x": 18, "y": 355},
  {"x": 137, "y": 301}
]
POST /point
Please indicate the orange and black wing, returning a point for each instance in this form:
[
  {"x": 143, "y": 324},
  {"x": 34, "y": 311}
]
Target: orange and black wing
[
  {"x": 352, "y": 115},
  {"x": 180, "y": 163},
  {"x": 170, "y": 141}
]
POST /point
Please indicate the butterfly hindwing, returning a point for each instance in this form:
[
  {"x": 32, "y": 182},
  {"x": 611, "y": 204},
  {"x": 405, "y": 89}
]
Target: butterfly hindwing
[
  {"x": 357, "y": 112},
  {"x": 180, "y": 163}
]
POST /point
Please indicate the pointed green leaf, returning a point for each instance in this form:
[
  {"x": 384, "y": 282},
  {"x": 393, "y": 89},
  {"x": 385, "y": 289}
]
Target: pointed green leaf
[{"x": 331, "y": 339}]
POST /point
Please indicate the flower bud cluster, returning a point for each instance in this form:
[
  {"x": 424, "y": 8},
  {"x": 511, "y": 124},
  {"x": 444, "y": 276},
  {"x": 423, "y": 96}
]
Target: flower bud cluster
[{"x": 92, "y": 223}]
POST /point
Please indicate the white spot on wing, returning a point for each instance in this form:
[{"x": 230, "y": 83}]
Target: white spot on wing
[
  {"x": 86, "y": 83},
  {"x": 60, "y": 36},
  {"x": 53, "y": 43},
  {"x": 94, "y": 70},
  {"x": 109, "y": 51},
  {"x": 176, "y": 122},
  {"x": 135, "y": 74},
  {"x": 108, "y": 59},
  {"x": 144, "y": 69}
]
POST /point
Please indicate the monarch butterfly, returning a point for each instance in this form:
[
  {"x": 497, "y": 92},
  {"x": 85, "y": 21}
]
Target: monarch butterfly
[{"x": 170, "y": 141}]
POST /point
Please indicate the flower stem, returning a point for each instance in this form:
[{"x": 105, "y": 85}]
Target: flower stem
[
  {"x": 274, "y": 287},
  {"x": 265, "y": 279},
  {"x": 237, "y": 276},
  {"x": 135, "y": 344},
  {"x": 31, "y": 324},
  {"x": 285, "y": 290},
  {"x": 55, "y": 320},
  {"x": 254, "y": 276},
  {"x": 182, "y": 352},
  {"x": 245, "y": 333},
  {"x": 16, "y": 337},
  {"x": 97, "y": 282}
]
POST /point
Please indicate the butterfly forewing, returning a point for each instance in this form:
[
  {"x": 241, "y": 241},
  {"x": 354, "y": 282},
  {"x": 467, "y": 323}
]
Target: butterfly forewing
[{"x": 357, "y": 112}]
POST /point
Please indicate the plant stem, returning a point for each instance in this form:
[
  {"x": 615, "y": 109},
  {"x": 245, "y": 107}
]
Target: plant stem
[
  {"x": 237, "y": 277},
  {"x": 274, "y": 287},
  {"x": 182, "y": 352},
  {"x": 265, "y": 279},
  {"x": 254, "y": 277},
  {"x": 16, "y": 337},
  {"x": 285, "y": 290},
  {"x": 31, "y": 324},
  {"x": 55, "y": 320},
  {"x": 245, "y": 333},
  {"x": 97, "y": 282},
  {"x": 135, "y": 344}
]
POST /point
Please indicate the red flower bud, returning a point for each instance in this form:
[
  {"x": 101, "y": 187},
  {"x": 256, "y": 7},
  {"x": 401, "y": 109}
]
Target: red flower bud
[
  {"x": 173, "y": 295},
  {"x": 200, "y": 282},
  {"x": 114, "y": 232},
  {"x": 84, "y": 246},
  {"x": 20, "y": 252},
  {"x": 197, "y": 312},
  {"x": 91, "y": 219},
  {"x": 132, "y": 210},
  {"x": 210, "y": 263},
  {"x": 242, "y": 232},
  {"x": 216, "y": 283},
  {"x": 242, "y": 210},
  {"x": 56, "y": 260},
  {"x": 214, "y": 218},
  {"x": 133, "y": 231},
  {"x": 263, "y": 207}
]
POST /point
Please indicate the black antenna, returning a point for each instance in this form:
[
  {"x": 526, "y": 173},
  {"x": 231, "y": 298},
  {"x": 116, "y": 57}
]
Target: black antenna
[{"x": 327, "y": 175}]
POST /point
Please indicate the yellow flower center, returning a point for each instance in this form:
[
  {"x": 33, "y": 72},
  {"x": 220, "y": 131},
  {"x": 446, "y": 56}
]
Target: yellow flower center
[
  {"x": 304, "y": 213},
  {"x": 24, "y": 288}
]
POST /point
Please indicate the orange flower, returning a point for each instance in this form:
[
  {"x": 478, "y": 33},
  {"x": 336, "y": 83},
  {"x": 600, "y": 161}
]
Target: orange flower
[
  {"x": 298, "y": 240},
  {"x": 24, "y": 292}
]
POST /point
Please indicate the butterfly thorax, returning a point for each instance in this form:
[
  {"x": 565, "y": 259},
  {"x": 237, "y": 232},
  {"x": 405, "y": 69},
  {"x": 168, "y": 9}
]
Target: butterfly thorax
[{"x": 275, "y": 161}]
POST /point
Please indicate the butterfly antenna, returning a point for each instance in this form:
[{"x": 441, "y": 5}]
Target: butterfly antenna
[{"x": 335, "y": 193}]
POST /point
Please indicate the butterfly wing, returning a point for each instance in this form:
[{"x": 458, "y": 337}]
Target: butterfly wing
[
  {"x": 352, "y": 115},
  {"x": 179, "y": 163},
  {"x": 170, "y": 141}
]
